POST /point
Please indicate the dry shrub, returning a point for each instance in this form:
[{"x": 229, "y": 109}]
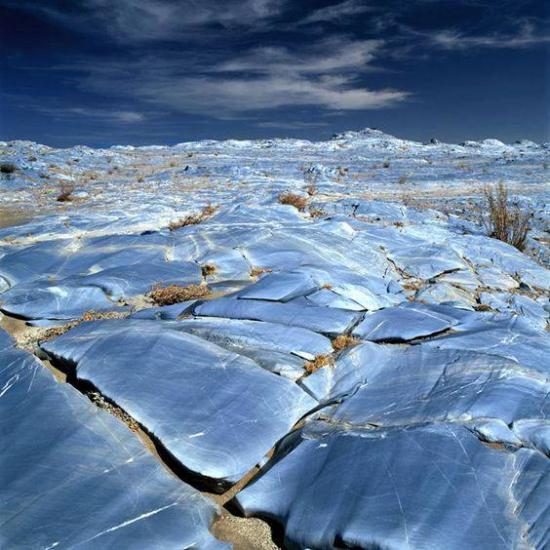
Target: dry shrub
[
  {"x": 402, "y": 180},
  {"x": 90, "y": 315},
  {"x": 174, "y": 294},
  {"x": 66, "y": 193},
  {"x": 318, "y": 363},
  {"x": 311, "y": 190},
  {"x": 193, "y": 219},
  {"x": 297, "y": 201},
  {"x": 505, "y": 222},
  {"x": 7, "y": 168},
  {"x": 317, "y": 213},
  {"x": 257, "y": 271},
  {"x": 208, "y": 269},
  {"x": 344, "y": 341}
]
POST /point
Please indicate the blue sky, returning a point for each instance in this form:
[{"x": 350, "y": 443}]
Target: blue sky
[{"x": 101, "y": 72}]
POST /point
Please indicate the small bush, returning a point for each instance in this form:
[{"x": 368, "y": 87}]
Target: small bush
[
  {"x": 89, "y": 315},
  {"x": 318, "y": 363},
  {"x": 257, "y": 271},
  {"x": 386, "y": 164},
  {"x": 193, "y": 219},
  {"x": 7, "y": 168},
  {"x": 317, "y": 213},
  {"x": 311, "y": 190},
  {"x": 402, "y": 180},
  {"x": 505, "y": 222},
  {"x": 208, "y": 269},
  {"x": 66, "y": 193},
  {"x": 344, "y": 341},
  {"x": 297, "y": 201},
  {"x": 174, "y": 294}
]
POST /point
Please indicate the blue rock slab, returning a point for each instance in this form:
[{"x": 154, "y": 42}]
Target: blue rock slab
[
  {"x": 74, "y": 476},
  {"x": 216, "y": 412}
]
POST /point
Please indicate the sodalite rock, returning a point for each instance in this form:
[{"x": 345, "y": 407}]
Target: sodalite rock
[
  {"x": 318, "y": 319},
  {"x": 280, "y": 287},
  {"x": 74, "y": 476},
  {"x": 329, "y": 298},
  {"x": 39, "y": 300},
  {"x": 512, "y": 338},
  {"x": 420, "y": 384},
  {"x": 399, "y": 324},
  {"x": 245, "y": 337},
  {"x": 131, "y": 280},
  {"x": 426, "y": 262},
  {"x": 403, "y": 488},
  {"x": 448, "y": 294},
  {"x": 534, "y": 432},
  {"x": 72, "y": 296},
  {"x": 216, "y": 412}
]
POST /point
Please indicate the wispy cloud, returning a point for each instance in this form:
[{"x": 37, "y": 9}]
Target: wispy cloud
[
  {"x": 335, "y": 53},
  {"x": 72, "y": 112},
  {"x": 525, "y": 36},
  {"x": 151, "y": 20},
  {"x": 327, "y": 74},
  {"x": 338, "y": 12}
]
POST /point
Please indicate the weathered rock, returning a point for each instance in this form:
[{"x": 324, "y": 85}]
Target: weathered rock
[
  {"x": 74, "y": 476},
  {"x": 398, "y": 488},
  {"x": 216, "y": 412}
]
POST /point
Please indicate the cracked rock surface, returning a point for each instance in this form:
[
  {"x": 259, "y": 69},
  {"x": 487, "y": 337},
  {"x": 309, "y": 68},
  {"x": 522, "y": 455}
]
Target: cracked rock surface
[{"x": 368, "y": 372}]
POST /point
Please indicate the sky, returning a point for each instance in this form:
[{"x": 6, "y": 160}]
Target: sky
[{"x": 104, "y": 72}]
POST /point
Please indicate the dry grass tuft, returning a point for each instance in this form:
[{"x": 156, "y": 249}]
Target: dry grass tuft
[
  {"x": 257, "y": 271},
  {"x": 318, "y": 363},
  {"x": 90, "y": 315},
  {"x": 208, "y": 269},
  {"x": 483, "y": 307},
  {"x": 297, "y": 201},
  {"x": 505, "y": 222},
  {"x": 193, "y": 219},
  {"x": 66, "y": 193},
  {"x": 317, "y": 213},
  {"x": 344, "y": 341},
  {"x": 7, "y": 168},
  {"x": 311, "y": 190},
  {"x": 174, "y": 294}
]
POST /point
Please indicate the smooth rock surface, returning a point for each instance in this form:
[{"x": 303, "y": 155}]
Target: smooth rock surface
[
  {"x": 216, "y": 412},
  {"x": 74, "y": 476}
]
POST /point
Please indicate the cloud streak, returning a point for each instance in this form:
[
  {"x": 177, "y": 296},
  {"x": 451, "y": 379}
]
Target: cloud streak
[
  {"x": 139, "y": 21},
  {"x": 525, "y": 37}
]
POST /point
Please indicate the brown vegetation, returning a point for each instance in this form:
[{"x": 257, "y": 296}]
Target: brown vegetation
[
  {"x": 504, "y": 221},
  {"x": 66, "y": 193},
  {"x": 344, "y": 341},
  {"x": 208, "y": 269},
  {"x": 317, "y": 213},
  {"x": 311, "y": 190},
  {"x": 90, "y": 315},
  {"x": 257, "y": 271},
  {"x": 193, "y": 219},
  {"x": 318, "y": 363},
  {"x": 292, "y": 199},
  {"x": 174, "y": 294},
  {"x": 7, "y": 168}
]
